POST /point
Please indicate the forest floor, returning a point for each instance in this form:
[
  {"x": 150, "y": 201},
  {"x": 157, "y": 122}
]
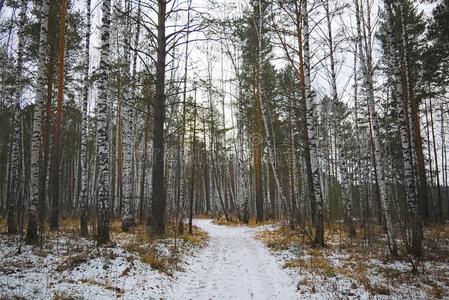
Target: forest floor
[
  {"x": 361, "y": 268},
  {"x": 220, "y": 262},
  {"x": 67, "y": 266}
]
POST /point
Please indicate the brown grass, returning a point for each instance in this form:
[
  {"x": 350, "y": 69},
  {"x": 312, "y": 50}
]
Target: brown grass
[
  {"x": 3, "y": 225},
  {"x": 72, "y": 262},
  {"x": 198, "y": 238},
  {"x": 118, "y": 291},
  {"x": 252, "y": 222},
  {"x": 230, "y": 222},
  {"x": 146, "y": 248},
  {"x": 279, "y": 239}
]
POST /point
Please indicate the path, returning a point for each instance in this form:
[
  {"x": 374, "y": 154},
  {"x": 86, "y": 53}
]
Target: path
[{"x": 233, "y": 266}]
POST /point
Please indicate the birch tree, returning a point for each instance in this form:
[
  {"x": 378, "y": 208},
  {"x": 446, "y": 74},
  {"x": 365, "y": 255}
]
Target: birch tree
[
  {"x": 264, "y": 109},
  {"x": 346, "y": 184},
  {"x": 366, "y": 65},
  {"x": 311, "y": 133},
  {"x": 84, "y": 200},
  {"x": 103, "y": 189},
  {"x": 15, "y": 167},
  {"x": 127, "y": 127},
  {"x": 408, "y": 147},
  {"x": 32, "y": 236}
]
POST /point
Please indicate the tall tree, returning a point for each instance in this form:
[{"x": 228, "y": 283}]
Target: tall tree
[
  {"x": 159, "y": 197},
  {"x": 14, "y": 165},
  {"x": 32, "y": 236},
  {"x": 366, "y": 65},
  {"x": 56, "y": 155},
  {"x": 103, "y": 189},
  {"x": 399, "y": 68},
  {"x": 127, "y": 126},
  {"x": 346, "y": 184},
  {"x": 84, "y": 200},
  {"x": 311, "y": 132}
]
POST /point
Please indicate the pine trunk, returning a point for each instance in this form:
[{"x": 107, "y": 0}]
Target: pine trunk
[
  {"x": 56, "y": 156},
  {"x": 159, "y": 199}
]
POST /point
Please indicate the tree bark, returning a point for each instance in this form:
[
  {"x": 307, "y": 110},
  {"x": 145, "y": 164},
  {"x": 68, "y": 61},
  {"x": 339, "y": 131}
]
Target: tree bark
[
  {"x": 386, "y": 203},
  {"x": 84, "y": 200},
  {"x": 56, "y": 156},
  {"x": 159, "y": 200},
  {"x": 37, "y": 126},
  {"x": 104, "y": 185}
]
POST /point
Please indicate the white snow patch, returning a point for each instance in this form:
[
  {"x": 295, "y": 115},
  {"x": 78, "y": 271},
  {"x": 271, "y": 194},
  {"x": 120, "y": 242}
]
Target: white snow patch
[{"x": 234, "y": 265}]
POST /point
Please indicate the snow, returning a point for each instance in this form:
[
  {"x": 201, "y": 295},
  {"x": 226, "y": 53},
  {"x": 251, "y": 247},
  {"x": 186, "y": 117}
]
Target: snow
[
  {"x": 100, "y": 274},
  {"x": 234, "y": 266},
  {"x": 353, "y": 274}
]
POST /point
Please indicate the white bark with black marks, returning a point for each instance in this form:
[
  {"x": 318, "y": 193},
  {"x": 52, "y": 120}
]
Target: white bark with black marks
[
  {"x": 310, "y": 104},
  {"x": 14, "y": 165},
  {"x": 84, "y": 200},
  {"x": 37, "y": 125},
  {"x": 387, "y": 206},
  {"x": 103, "y": 189}
]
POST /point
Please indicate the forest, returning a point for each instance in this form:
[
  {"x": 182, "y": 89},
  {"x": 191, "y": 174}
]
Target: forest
[{"x": 244, "y": 149}]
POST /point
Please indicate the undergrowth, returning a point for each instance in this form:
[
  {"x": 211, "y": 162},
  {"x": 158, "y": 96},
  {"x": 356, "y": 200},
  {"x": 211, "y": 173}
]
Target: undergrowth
[{"x": 364, "y": 262}]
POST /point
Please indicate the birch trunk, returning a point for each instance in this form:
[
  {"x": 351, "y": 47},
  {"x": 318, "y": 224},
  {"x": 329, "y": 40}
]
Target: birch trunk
[
  {"x": 403, "y": 111},
  {"x": 84, "y": 201},
  {"x": 14, "y": 165},
  {"x": 103, "y": 189},
  {"x": 346, "y": 184},
  {"x": 37, "y": 126},
  {"x": 386, "y": 203},
  {"x": 271, "y": 153},
  {"x": 311, "y": 132},
  {"x": 127, "y": 131},
  {"x": 303, "y": 109}
]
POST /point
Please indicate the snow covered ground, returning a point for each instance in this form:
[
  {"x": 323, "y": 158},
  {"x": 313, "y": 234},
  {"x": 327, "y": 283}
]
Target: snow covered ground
[
  {"x": 234, "y": 265},
  {"x": 76, "y": 269},
  {"x": 349, "y": 270}
]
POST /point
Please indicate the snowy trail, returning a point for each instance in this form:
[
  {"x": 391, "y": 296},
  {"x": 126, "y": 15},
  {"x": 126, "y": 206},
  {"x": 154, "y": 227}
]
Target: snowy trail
[{"x": 233, "y": 266}]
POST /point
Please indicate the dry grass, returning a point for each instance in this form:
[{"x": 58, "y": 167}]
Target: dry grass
[
  {"x": 230, "y": 222},
  {"x": 118, "y": 291},
  {"x": 282, "y": 238},
  {"x": 3, "y": 225},
  {"x": 198, "y": 238},
  {"x": 69, "y": 224},
  {"x": 169, "y": 261},
  {"x": 73, "y": 261},
  {"x": 62, "y": 296},
  {"x": 252, "y": 222},
  {"x": 359, "y": 260},
  {"x": 317, "y": 264}
]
